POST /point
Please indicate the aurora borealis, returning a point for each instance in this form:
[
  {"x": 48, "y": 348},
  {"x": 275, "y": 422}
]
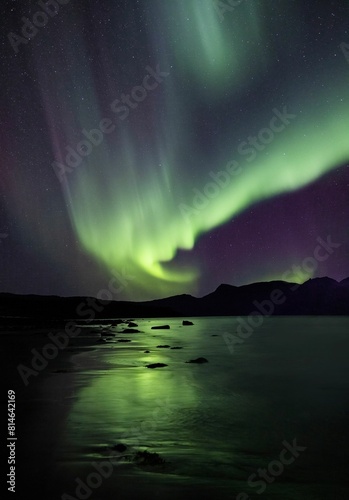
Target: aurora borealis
[{"x": 181, "y": 144}]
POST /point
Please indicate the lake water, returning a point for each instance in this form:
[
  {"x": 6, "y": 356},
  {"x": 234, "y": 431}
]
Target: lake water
[{"x": 217, "y": 425}]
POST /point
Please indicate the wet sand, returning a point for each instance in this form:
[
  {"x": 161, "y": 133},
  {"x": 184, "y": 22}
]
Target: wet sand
[
  {"x": 226, "y": 418},
  {"x": 42, "y": 406}
]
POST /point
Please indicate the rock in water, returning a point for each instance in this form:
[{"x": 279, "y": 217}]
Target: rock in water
[
  {"x": 131, "y": 324},
  {"x": 147, "y": 458},
  {"x": 156, "y": 365},
  {"x": 130, "y": 330},
  {"x": 120, "y": 447},
  {"x": 187, "y": 323},
  {"x": 161, "y": 327},
  {"x": 198, "y": 361}
]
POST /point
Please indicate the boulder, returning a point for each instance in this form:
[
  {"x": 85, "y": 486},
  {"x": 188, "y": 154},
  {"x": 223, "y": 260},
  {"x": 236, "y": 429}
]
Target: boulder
[
  {"x": 131, "y": 324},
  {"x": 163, "y": 346},
  {"x": 147, "y": 458},
  {"x": 198, "y": 361},
  {"x": 130, "y": 330},
  {"x": 187, "y": 323},
  {"x": 161, "y": 327},
  {"x": 156, "y": 365},
  {"x": 120, "y": 447}
]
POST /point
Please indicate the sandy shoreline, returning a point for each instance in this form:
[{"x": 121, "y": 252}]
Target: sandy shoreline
[
  {"x": 223, "y": 420},
  {"x": 42, "y": 406},
  {"x": 42, "y": 409}
]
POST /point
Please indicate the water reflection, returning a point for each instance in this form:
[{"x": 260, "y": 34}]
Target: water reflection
[
  {"x": 123, "y": 401},
  {"x": 225, "y": 419}
]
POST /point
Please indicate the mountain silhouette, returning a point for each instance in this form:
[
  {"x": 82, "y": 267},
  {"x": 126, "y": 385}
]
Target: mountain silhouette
[{"x": 318, "y": 296}]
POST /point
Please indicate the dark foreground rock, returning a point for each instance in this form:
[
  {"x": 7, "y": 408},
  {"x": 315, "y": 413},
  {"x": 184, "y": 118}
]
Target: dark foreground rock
[
  {"x": 198, "y": 361},
  {"x": 120, "y": 447},
  {"x": 161, "y": 327},
  {"x": 163, "y": 346},
  {"x": 147, "y": 458},
  {"x": 131, "y": 324},
  {"x": 156, "y": 365},
  {"x": 130, "y": 330},
  {"x": 187, "y": 323},
  {"x": 140, "y": 458}
]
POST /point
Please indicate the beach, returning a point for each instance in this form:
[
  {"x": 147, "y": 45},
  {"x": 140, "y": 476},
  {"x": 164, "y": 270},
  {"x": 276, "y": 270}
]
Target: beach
[{"x": 97, "y": 423}]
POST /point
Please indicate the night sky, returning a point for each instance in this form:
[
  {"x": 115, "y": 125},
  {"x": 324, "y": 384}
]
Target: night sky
[{"x": 172, "y": 144}]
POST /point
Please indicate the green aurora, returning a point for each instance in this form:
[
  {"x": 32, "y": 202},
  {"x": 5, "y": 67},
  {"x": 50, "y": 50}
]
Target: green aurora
[{"x": 132, "y": 201}]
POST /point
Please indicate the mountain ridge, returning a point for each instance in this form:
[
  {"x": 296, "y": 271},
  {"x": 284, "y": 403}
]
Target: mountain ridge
[{"x": 317, "y": 296}]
